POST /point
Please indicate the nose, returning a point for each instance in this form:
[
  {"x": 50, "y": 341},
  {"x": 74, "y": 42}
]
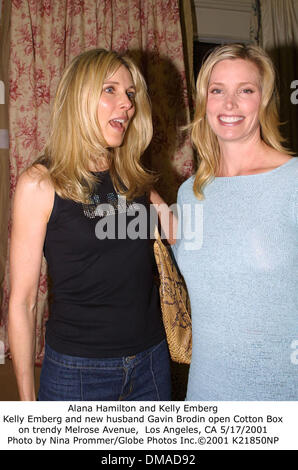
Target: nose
[
  {"x": 230, "y": 101},
  {"x": 126, "y": 102}
]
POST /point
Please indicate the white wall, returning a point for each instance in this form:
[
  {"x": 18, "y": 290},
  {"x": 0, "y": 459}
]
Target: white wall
[{"x": 222, "y": 20}]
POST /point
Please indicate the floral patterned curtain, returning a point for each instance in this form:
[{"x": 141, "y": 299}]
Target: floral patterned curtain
[{"x": 46, "y": 35}]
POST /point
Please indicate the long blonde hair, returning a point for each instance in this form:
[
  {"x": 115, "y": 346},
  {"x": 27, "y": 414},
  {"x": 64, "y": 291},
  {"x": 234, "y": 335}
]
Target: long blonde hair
[
  {"x": 202, "y": 135},
  {"x": 76, "y": 139}
]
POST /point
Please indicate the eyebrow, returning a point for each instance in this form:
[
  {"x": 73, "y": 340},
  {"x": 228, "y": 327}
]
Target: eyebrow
[
  {"x": 240, "y": 83},
  {"x": 117, "y": 83}
]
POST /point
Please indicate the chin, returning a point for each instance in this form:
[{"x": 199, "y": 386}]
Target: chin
[
  {"x": 114, "y": 143},
  {"x": 229, "y": 134}
]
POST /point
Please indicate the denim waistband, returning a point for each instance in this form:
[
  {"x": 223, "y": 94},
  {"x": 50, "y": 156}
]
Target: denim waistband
[{"x": 90, "y": 363}]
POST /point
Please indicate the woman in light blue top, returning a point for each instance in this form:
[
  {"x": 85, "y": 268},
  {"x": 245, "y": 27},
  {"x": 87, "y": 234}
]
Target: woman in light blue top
[{"x": 238, "y": 242}]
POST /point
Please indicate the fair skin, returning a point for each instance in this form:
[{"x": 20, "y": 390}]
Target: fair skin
[
  {"x": 33, "y": 203},
  {"x": 114, "y": 121},
  {"x": 116, "y": 106},
  {"x": 233, "y": 101},
  {"x": 115, "y": 110}
]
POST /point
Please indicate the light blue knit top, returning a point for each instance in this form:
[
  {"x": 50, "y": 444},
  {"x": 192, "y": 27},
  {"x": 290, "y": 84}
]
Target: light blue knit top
[{"x": 242, "y": 275}]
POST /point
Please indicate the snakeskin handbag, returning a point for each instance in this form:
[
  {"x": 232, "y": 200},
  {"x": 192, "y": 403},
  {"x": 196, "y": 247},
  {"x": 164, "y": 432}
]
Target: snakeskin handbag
[{"x": 175, "y": 304}]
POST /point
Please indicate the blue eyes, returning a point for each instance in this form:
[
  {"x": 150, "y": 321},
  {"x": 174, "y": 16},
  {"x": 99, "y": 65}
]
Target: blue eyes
[
  {"x": 218, "y": 91},
  {"x": 131, "y": 94}
]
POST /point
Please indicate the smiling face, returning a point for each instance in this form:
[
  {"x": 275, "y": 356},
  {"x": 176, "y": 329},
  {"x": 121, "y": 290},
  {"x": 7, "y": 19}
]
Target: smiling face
[
  {"x": 233, "y": 101},
  {"x": 116, "y": 106}
]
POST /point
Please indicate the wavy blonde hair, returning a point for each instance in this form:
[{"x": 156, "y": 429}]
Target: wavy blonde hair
[
  {"x": 76, "y": 139},
  {"x": 202, "y": 135}
]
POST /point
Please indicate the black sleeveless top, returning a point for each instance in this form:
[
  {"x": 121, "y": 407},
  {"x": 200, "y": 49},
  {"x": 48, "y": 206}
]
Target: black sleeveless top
[{"x": 105, "y": 302}]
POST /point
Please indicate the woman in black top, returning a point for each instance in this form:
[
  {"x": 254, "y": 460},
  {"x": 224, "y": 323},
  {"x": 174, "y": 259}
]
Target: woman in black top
[{"x": 83, "y": 205}]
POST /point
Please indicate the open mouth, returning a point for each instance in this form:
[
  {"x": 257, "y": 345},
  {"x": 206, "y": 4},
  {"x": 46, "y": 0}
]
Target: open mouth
[{"x": 118, "y": 124}]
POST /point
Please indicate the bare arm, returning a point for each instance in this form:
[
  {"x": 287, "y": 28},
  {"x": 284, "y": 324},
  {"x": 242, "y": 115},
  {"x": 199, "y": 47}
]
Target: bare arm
[
  {"x": 167, "y": 218},
  {"x": 32, "y": 206}
]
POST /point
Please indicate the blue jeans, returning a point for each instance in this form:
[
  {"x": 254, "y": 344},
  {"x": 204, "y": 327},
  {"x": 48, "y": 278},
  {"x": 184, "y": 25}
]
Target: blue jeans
[{"x": 145, "y": 377}]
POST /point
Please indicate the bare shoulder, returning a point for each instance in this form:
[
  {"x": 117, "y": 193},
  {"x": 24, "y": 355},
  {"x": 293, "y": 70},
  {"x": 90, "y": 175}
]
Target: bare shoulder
[
  {"x": 35, "y": 191},
  {"x": 36, "y": 179},
  {"x": 34, "y": 176}
]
